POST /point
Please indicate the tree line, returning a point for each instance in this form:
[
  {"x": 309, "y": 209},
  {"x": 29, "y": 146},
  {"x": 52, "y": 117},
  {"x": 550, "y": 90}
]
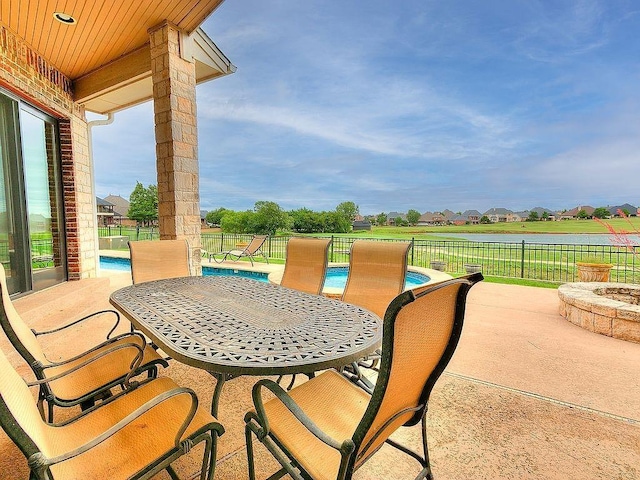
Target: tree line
[{"x": 266, "y": 218}]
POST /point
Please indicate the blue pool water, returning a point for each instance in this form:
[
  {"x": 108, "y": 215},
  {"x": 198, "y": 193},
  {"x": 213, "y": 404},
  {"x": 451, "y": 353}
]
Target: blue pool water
[
  {"x": 336, "y": 276},
  {"x": 123, "y": 265}
]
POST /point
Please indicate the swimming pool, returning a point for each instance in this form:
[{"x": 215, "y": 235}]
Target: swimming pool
[
  {"x": 123, "y": 265},
  {"x": 336, "y": 276}
]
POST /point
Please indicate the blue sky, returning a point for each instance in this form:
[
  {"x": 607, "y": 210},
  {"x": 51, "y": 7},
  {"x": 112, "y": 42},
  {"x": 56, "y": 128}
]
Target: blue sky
[{"x": 416, "y": 104}]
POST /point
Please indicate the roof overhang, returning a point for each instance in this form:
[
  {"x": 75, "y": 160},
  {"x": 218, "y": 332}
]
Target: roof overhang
[{"x": 127, "y": 81}]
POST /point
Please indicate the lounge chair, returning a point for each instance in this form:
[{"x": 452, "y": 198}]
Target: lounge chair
[
  {"x": 305, "y": 267},
  {"x": 328, "y": 427},
  {"x": 254, "y": 248},
  {"x": 157, "y": 260},
  {"x": 85, "y": 377},
  {"x": 133, "y": 435}
]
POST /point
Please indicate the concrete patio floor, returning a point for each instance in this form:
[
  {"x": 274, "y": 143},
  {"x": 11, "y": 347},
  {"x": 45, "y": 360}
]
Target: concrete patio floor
[{"x": 527, "y": 394}]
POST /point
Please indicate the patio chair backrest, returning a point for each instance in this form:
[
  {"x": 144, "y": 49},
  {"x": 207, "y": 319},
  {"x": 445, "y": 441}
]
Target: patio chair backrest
[
  {"x": 420, "y": 333},
  {"x": 19, "y": 414},
  {"x": 377, "y": 272},
  {"x": 305, "y": 268},
  {"x": 20, "y": 335},
  {"x": 255, "y": 244},
  {"x": 157, "y": 260}
]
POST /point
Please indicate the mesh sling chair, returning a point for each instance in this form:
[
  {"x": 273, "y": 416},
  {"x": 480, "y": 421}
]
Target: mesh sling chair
[
  {"x": 157, "y": 260},
  {"x": 328, "y": 427},
  {"x": 83, "y": 378},
  {"x": 377, "y": 272},
  {"x": 254, "y": 248},
  {"x": 132, "y": 435},
  {"x": 306, "y": 264}
]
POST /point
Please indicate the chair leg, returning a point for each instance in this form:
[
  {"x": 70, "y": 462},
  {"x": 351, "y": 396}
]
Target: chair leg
[{"x": 250, "y": 462}]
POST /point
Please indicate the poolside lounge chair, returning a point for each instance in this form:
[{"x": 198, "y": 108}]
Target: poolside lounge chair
[
  {"x": 254, "y": 248},
  {"x": 328, "y": 427},
  {"x": 133, "y": 435},
  {"x": 85, "y": 377},
  {"x": 306, "y": 264},
  {"x": 157, "y": 260}
]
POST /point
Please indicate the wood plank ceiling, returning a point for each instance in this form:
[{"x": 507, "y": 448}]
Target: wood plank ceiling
[{"x": 104, "y": 30}]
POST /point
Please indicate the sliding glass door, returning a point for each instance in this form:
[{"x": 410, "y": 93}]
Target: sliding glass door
[{"x": 32, "y": 244}]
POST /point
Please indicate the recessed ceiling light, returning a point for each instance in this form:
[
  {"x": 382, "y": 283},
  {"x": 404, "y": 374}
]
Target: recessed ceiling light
[{"x": 64, "y": 18}]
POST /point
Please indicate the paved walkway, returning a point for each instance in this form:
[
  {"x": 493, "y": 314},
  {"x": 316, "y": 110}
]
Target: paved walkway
[{"x": 527, "y": 394}]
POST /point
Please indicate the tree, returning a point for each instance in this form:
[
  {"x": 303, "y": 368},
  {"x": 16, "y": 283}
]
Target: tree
[
  {"x": 545, "y": 216},
  {"x": 601, "y": 212},
  {"x": 582, "y": 214},
  {"x": 307, "y": 221},
  {"x": 381, "y": 219},
  {"x": 485, "y": 220},
  {"x": 349, "y": 210},
  {"x": 214, "y": 217},
  {"x": 269, "y": 218},
  {"x": 413, "y": 216},
  {"x": 143, "y": 204},
  {"x": 237, "y": 222},
  {"x": 533, "y": 216},
  {"x": 400, "y": 222}
]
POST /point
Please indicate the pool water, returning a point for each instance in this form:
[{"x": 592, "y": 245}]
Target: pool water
[
  {"x": 336, "y": 276},
  {"x": 123, "y": 265}
]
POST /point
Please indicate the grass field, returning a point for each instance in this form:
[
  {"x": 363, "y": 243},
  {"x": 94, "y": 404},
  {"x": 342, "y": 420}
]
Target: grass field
[{"x": 567, "y": 226}]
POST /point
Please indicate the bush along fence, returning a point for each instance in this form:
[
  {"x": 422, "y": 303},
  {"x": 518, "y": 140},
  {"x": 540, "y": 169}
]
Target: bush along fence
[{"x": 532, "y": 261}]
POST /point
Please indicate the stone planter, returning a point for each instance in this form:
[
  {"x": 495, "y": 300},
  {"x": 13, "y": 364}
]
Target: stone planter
[
  {"x": 593, "y": 272},
  {"x": 438, "y": 265},
  {"x": 472, "y": 267}
]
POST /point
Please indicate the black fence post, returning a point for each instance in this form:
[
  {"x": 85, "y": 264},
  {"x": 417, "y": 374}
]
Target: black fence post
[
  {"x": 413, "y": 244},
  {"x": 332, "y": 257},
  {"x": 522, "y": 261}
]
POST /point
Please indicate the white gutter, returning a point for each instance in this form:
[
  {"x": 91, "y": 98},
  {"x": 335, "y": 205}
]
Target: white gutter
[{"x": 94, "y": 203}]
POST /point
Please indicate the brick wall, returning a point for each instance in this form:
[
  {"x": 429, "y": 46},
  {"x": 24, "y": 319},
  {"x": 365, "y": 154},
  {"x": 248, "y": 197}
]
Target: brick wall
[{"x": 24, "y": 72}]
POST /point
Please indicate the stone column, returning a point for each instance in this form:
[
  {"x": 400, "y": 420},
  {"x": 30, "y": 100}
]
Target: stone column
[{"x": 174, "y": 104}]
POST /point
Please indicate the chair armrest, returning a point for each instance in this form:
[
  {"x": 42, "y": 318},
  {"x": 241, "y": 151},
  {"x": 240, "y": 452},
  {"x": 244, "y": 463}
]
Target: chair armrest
[
  {"x": 135, "y": 363},
  {"x": 347, "y": 446},
  {"x": 75, "y": 322},
  {"x": 101, "y": 345},
  {"x": 39, "y": 461}
]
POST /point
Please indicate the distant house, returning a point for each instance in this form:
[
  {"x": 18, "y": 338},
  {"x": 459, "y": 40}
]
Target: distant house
[
  {"x": 104, "y": 212},
  {"x": 120, "y": 210},
  {"x": 498, "y": 215},
  {"x": 573, "y": 213},
  {"x": 630, "y": 209},
  {"x": 361, "y": 225},
  {"x": 431, "y": 218},
  {"x": 203, "y": 218},
  {"x": 472, "y": 216},
  {"x": 551, "y": 215},
  {"x": 391, "y": 217}
]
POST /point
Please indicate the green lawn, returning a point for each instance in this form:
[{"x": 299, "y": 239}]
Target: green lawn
[{"x": 566, "y": 226}]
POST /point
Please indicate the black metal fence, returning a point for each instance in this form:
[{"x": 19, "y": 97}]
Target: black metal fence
[{"x": 533, "y": 261}]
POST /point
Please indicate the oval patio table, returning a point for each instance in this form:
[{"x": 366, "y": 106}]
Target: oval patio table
[{"x": 232, "y": 326}]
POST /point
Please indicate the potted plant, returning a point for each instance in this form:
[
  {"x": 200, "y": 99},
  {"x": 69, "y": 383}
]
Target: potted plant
[
  {"x": 593, "y": 269},
  {"x": 439, "y": 265},
  {"x": 472, "y": 267}
]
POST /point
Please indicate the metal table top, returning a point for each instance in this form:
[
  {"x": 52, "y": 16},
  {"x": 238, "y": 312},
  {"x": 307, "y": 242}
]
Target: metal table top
[{"x": 239, "y": 326}]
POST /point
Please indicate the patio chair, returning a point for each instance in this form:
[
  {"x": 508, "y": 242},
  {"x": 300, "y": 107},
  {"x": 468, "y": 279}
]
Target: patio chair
[
  {"x": 328, "y": 427},
  {"x": 377, "y": 272},
  {"x": 305, "y": 267},
  {"x": 83, "y": 378},
  {"x": 157, "y": 260},
  {"x": 133, "y": 435},
  {"x": 250, "y": 251}
]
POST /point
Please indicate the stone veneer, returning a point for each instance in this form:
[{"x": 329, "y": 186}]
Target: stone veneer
[
  {"x": 597, "y": 307},
  {"x": 174, "y": 104}
]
